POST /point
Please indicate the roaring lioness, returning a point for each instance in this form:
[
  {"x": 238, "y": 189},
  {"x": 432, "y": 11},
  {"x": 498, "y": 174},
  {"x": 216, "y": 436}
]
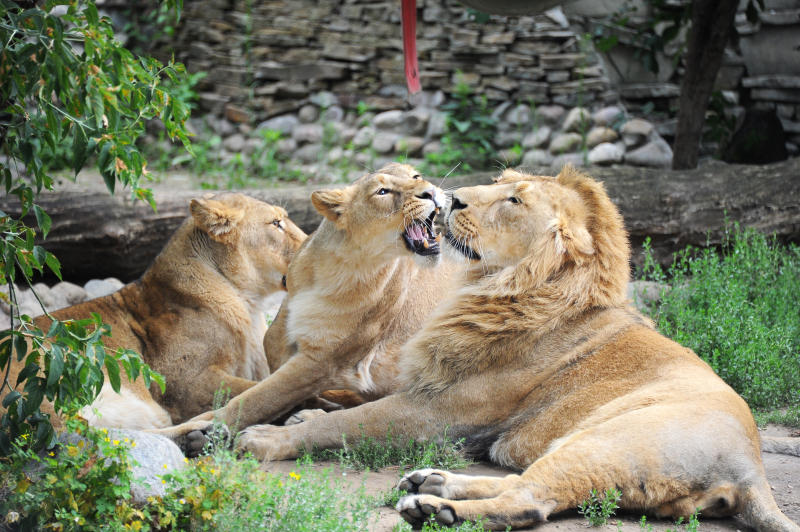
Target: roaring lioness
[
  {"x": 361, "y": 285},
  {"x": 197, "y": 315},
  {"x": 541, "y": 366}
]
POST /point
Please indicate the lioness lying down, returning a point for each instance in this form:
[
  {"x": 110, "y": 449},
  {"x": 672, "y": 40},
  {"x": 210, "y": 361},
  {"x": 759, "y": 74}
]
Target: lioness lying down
[
  {"x": 197, "y": 314},
  {"x": 542, "y": 367},
  {"x": 361, "y": 285}
]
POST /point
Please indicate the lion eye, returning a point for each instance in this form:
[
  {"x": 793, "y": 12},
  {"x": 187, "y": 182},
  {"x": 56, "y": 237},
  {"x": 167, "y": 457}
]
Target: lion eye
[
  {"x": 514, "y": 199},
  {"x": 382, "y": 191},
  {"x": 277, "y": 223},
  {"x": 417, "y": 176}
]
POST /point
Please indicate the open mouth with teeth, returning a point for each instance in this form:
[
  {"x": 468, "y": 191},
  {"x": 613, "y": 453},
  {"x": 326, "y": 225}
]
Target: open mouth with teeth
[
  {"x": 420, "y": 238},
  {"x": 462, "y": 247}
]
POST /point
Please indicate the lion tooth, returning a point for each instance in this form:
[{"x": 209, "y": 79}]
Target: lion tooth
[
  {"x": 438, "y": 237},
  {"x": 436, "y": 210},
  {"x": 425, "y": 244}
]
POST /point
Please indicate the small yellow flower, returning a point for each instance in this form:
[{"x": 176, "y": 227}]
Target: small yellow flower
[
  {"x": 294, "y": 475},
  {"x": 51, "y": 453},
  {"x": 116, "y": 442},
  {"x": 72, "y": 451},
  {"x": 164, "y": 466},
  {"x": 126, "y": 440},
  {"x": 163, "y": 481},
  {"x": 182, "y": 501},
  {"x": 104, "y": 431},
  {"x": 107, "y": 439},
  {"x": 185, "y": 460},
  {"x": 206, "y": 515},
  {"x": 133, "y": 444}
]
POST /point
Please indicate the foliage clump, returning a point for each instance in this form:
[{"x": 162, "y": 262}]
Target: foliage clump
[{"x": 737, "y": 308}]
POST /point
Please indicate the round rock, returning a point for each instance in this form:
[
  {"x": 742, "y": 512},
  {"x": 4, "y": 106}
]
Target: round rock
[
  {"x": 99, "y": 288},
  {"x": 606, "y": 153}
]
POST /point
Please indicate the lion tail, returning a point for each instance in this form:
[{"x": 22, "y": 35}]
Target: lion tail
[
  {"x": 780, "y": 445},
  {"x": 760, "y": 511}
]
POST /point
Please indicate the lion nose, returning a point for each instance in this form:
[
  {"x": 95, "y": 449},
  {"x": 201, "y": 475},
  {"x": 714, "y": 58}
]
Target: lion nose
[
  {"x": 457, "y": 204},
  {"x": 427, "y": 194},
  {"x": 434, "y": 195}
]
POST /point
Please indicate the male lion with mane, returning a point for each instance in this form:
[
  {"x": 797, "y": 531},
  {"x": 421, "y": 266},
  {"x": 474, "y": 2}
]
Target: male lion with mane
[
  {"x": 197, "y": 315},
  {"x": 540, "y": 365},
  {"x": 362, "y": 284}
]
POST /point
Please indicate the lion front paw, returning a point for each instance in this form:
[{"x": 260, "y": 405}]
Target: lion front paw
[
  {"x": 266, "y": 442},
  {"x": 417, "y": 509},
  {"x": 430, "y": 481},
  {"x": 304, "y": 415}
]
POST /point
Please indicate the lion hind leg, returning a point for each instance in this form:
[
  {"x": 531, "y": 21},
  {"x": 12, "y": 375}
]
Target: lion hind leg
[
  {"x": 760, "y": 511},
  {"x": 513, "y": 508},
  {"x": 129, "y": 409}
]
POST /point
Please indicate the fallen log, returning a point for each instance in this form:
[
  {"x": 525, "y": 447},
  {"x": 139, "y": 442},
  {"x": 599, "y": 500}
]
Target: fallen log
[{"x": 97, "y": 235}]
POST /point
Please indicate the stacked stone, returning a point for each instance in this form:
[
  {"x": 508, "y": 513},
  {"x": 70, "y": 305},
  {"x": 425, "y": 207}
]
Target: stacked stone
[{"x": 264, "y": 59}]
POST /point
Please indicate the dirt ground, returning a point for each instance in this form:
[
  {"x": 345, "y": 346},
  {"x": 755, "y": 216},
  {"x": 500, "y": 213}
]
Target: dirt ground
[{"x": 783, "y": 473}]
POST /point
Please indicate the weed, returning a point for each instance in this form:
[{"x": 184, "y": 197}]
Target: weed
[
  {"x": 737, "y": 309},
  {"x": 783, "y": 416},
  {"x": 432, "y": 526},
  {"x": 597, "y": 509},
  {"x": 391, "y": 497},
  {"x": 369, "y": 453}
]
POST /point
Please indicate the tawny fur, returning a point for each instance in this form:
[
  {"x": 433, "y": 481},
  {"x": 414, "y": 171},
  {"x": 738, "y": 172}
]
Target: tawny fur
[
  {"x": 197, "y": 315},
  {"x": 541, "y": 366},
  {"x": 356, "y": 294}
]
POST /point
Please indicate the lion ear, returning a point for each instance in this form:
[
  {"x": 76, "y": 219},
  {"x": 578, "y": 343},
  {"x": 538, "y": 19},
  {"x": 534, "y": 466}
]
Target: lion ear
[
  {"x": 215, "y": 218},
  {"x": 572, "y": 238},
  {"x": 329, "y": 203}
]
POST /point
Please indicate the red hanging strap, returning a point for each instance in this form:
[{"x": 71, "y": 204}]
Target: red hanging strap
[{"x": 409, "y": 17}]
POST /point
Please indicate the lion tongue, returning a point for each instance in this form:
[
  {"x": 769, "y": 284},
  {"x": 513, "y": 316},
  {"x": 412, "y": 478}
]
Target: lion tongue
[{"x": 416, "y": 232}]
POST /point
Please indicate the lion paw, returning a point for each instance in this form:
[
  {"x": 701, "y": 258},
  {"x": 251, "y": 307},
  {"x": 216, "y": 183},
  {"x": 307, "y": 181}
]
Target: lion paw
[
  {"x": 198, "y": 434},
  {"x": 417, "y": 509},
  {"x": 303, "y": 415},
  {"x": 265, "y": 442},
  {"x": 430, "y": 481}
]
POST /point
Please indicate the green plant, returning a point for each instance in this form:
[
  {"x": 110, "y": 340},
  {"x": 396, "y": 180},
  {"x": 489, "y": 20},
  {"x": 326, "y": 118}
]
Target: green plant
[
  {"x": 784, "y": 416},
  {"x": 65, "y": 82},
  {"x": 597, "y": 509},
  {"x": 369, "y": 453},
  {"x": 221, "y": 492},
  {"x": 432, "y": 526},
  {"x": 470, "y": 128},
  {"x": 391, "y": 497},
  {"x": 82, "y": 484},
  {"x": 737, "y": 308}
]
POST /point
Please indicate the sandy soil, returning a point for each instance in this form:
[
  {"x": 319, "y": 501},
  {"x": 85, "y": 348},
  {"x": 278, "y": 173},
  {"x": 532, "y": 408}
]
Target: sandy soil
[{"x": 783, "y": 473}]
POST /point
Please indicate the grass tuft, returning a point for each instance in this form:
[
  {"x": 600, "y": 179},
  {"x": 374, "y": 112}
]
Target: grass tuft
[{"x": 369, "y": 453}]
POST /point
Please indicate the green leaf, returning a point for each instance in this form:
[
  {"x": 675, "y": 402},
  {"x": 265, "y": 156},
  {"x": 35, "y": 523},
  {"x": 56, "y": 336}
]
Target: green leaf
[
  {"x": 42, "y": 220},
  {"x": 113, "y": 372},
  {"x": 10, "y": 398},
  {"x": 53, "y": 264},
  {"x": 79, "y": 151},
  {"x": 56, "y": 366}
]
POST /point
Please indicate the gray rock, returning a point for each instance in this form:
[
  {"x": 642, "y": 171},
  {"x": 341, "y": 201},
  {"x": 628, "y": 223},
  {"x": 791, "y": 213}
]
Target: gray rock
[
  {"x": 333, "y": 113},
  {"x": 432, "y": 147},
  {"x": 578, "y": 119},
  {"x": 384, "y": 141},
  {"x": 557, "y": 16},
  {"x": 537, "y": 138},
  {"x": 324, "y": 99},
  {"x": 636, "y": 131},
  {"x": 519, "y": 115},
  {"x": 286, "y": 146},
  {"x": 600, "y": 134},
  {"x": 607, "y": 115},
  {"x": 99, "y": 288},
  {"x": 284, "y": 123},
  {"x": 506, "y": 139},
  {"x": 606, "y": 153},
  {"x": 565, "y": 142},
  {"x": 308, "y": 133},
  {"x": 656, "y": 153},
  {"x": 575, "y": 159},
  {"x": 154, "y": 455},
  {"x": 220, "y": 126},
  {"x": 549, "y": 114},
  {"x": 363, "y": 137},
  {"x": 309, "y": 153},
  {"x": 388, "y": 119},
  {"x": 68, "y": 293},
  {"x": 308, "y": 114},
  {"x": 5, "y": 321},
  {"x": 500, "y": 110},
  {"x": 234, "y": 143},
  {"x": 252, "y": 145},
  {"x": 416, "y": 121},
  {"x": 537, "y": 158},
  {"x": 347, "y": 134},
  {"x": 646, "y": 294},
  {"x": 409, "y": 145},
  {"x": 437, "y": 125}
]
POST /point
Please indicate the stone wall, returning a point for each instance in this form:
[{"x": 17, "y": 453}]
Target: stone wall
[{"x": 288, "y": 63}]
